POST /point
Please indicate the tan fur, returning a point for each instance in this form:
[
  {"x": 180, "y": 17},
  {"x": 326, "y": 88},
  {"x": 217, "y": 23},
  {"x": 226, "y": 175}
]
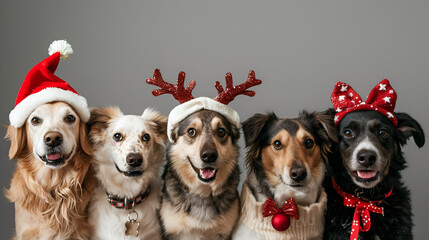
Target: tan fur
[
  {"x": 57, "y": 208},
  {"x": 293, "y": 151},
  {"x": 177, "y": 220}
]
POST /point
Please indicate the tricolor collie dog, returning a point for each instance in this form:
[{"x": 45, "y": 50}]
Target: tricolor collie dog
[
  {"x": 367, "y": 165},
  {"x": 52, "y": 183},
  {"x": 199, "y": 196},
  {"x": 128, "y": 153},
  {"x": 286, "y": 159}
]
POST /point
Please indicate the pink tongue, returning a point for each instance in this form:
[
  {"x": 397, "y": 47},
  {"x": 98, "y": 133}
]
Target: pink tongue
[
  {"x": 53, "y": 156},
  {"x": 366, "y": 174},
  {"x": 207, "y": 173}
]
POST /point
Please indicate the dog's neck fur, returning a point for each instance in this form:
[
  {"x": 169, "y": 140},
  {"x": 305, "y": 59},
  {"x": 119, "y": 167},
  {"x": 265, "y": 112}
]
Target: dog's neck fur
[{"x": 56, "y": 196}]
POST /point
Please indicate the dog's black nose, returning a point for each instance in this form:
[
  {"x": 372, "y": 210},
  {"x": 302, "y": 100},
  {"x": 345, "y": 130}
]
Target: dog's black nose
[
  {"x": 366, "y": 157},
  {"x": 134, "y": 159},
  {"x": 298, "y": 173},
  {"x": 209, "y": 155},
  {"x": 53, "y": 139}
]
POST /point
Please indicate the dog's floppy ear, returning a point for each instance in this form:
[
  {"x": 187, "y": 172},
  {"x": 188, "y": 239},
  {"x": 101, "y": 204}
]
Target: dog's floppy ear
[
  {"x": 253, "y": 126},
  {"x": 326, "y": 131},
  {"x": 158, "y": 123},
  {"x": 98, "y": 122},
  {"x": 83, "y": 139},
  {"x": 407, "y": 127},
  {"x": 18, "y": 142},
  {"x": 325, "y": 120}
]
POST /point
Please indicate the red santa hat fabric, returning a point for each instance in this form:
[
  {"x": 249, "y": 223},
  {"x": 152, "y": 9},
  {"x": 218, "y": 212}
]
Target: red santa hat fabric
[
  {"x": 42, "y": 86},
  {"x": 382, "y": 99}
]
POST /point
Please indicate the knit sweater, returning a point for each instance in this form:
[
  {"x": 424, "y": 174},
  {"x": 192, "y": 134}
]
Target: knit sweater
[{"x": 310, "y": 224}]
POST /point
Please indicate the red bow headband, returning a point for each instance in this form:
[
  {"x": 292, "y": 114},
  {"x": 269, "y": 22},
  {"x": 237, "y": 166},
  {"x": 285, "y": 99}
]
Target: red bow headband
[{"x": 382, "y": 99}]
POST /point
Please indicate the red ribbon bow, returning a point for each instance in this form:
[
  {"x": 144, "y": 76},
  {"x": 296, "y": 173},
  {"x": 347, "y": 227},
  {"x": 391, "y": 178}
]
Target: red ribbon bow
[
  {"x": 382, "y": 99},
  {"x": 361, "y": 217},
  {"x": 281, "y": 216}
]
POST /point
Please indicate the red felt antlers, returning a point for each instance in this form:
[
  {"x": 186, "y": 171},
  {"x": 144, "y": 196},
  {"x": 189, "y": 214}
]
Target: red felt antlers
[
  {"x": 178, "y": 91},
  {"x": 231, "y": 91}
]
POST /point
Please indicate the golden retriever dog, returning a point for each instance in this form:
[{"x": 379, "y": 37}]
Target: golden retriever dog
[
  {"x": 52, "y": 183},
  {"x": 128, "y": 153}
]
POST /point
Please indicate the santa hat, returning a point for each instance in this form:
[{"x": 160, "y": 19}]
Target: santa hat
[
  {"x": 189, "y": 105},
  {"x": 41, "y": 86},
  {"x": 382, "y": 99}
]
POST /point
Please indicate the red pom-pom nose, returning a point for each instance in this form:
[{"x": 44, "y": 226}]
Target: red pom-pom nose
[{"x": 280, "y": 222}]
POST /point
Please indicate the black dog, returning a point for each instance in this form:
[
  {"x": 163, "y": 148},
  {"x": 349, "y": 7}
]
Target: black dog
[{"x": 367, "y": 164}]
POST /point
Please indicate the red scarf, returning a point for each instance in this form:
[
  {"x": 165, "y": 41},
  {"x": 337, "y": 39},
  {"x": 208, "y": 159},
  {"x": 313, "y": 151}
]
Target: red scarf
[{"x": 362, "y": 209}]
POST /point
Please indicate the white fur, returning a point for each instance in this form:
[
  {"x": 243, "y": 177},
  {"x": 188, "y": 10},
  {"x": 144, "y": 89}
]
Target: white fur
[
  {"x": 61, "y": 46},
  {"x": 109, "y": 222}
]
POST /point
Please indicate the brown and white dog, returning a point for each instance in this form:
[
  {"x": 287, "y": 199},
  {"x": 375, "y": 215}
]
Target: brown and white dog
[
  {"x": 128, "y": 153},
  {"x": 286, "y": 159},
  {"x": 52, "y": 183},
  {"x": 199, "y": 197}
]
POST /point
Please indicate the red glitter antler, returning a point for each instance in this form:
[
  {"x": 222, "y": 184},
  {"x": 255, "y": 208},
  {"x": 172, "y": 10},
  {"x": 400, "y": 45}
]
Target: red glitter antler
[
  {"x": 178, "y": 91},
  {"x": 231, "y": 91}
]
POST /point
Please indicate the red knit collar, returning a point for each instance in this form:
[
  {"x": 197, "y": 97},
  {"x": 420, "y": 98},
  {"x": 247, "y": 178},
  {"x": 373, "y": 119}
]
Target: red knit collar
[
  {"x": 127, "y": 203},
  {"x": 362, "y": 209}
]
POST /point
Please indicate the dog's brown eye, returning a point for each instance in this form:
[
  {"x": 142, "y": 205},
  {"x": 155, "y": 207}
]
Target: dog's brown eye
[
  {"x": 191, "y": 132},
  {"x": 35, "y": 121},
  {"x": 348, "y": 133},
  {"x": 277, "y": 145},
  {"x": 117, "y": 137},
  {"x": 146, "y": 137},
  {"x": 309, "y": 143},
  {"x": 70, "y": 119},
  {"x": 221, "y": 132},
  {"x": 383, "y": 133}
]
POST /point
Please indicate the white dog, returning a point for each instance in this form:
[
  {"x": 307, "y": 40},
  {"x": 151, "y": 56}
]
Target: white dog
[{"x": 128, "y": 153}]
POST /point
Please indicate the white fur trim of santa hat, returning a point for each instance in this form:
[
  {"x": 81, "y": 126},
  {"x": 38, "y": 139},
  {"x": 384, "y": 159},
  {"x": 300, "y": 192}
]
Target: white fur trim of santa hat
[
  {"x": 20, "y": 113},
  {"x": 183, "y": 110}
]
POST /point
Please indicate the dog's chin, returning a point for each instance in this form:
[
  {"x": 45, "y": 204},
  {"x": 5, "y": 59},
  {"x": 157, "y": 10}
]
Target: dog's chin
[
  {"x": 131, "y": 173},
  {"x": 205, "y": 175},
  {"x": 365, "y": 178},
  {"x": 55, "y": 160}
]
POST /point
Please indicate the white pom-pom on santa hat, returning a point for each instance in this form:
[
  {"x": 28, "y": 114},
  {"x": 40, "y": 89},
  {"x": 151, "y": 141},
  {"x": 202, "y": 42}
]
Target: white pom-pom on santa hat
[{"x": 61, "y": 46}]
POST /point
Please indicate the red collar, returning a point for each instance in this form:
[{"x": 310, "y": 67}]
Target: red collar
[
  {"x": 362, "y": 209},
  {"x": 127, "y": 203}
]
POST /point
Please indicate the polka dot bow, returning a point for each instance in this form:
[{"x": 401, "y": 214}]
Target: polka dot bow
[
  {"x": 361, "y": 217},
  {"x": 382, "y": 99}
]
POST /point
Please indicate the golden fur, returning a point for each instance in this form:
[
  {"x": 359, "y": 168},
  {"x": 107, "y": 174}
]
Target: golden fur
[{"x": 50, "y": 203}]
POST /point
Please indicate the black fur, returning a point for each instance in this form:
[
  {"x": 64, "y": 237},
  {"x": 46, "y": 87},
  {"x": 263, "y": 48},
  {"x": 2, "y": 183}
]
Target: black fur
[{"x": 397, "y": 220}]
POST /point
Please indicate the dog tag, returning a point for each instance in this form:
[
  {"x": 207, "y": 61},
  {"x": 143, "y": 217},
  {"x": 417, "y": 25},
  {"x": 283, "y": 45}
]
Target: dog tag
[{"x": 132, "y": 228}]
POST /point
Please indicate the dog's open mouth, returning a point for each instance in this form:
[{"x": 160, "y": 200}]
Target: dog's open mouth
[
  {"x": 53, "y": 159},
  {"x": 365, "y": 176},
  {"x": 129, "y": 173},
  {"x": 207, "y": 174}
]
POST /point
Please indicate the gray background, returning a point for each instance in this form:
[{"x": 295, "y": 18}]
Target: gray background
[{"x": 300, "y": 49}]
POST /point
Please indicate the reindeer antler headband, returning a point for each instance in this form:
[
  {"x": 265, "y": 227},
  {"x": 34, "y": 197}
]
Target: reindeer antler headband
[
  {"x": 189, "y": 104},
  {"x": 382, "y": 99}
]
